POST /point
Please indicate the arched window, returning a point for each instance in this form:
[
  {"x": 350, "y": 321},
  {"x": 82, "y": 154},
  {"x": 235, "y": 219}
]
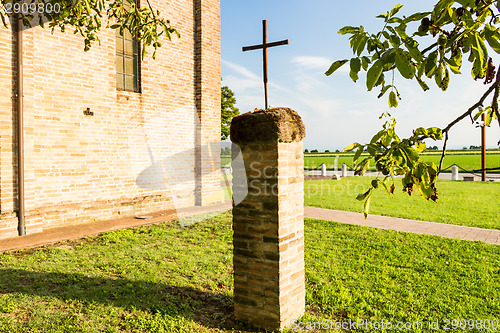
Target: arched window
[{"x": 127, "y": 60}]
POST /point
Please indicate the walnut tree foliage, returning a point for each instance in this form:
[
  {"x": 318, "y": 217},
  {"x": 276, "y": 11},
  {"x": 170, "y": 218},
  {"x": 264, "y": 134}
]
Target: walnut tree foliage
[
  {"x": 228, "y": 110},
  {"x": 425, "y": 47},
  {"x": 85, "y": 18}
]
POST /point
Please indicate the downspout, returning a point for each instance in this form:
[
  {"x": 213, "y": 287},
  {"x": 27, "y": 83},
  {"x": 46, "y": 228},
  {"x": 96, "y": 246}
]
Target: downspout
[{"x": 20, "y": 129}]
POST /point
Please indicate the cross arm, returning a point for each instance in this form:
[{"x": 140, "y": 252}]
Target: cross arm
[{"x": 261, "y": 46}]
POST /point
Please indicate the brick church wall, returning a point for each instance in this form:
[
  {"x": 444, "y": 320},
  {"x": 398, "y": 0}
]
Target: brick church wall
[{"x": 136, "y": 154}]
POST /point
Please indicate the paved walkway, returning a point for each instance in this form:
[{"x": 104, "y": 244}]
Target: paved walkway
[
  {"x": 395, "y": 223},
  {"x": 81, "y": 230}
]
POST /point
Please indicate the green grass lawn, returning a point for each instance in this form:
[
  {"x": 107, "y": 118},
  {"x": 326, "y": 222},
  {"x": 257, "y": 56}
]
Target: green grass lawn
[
  {"x": 225, "y": 160},
  {"x": 355, "y": 272},
  {"x": 473, "y": 204},
  {"x": 165, "y": 278}
]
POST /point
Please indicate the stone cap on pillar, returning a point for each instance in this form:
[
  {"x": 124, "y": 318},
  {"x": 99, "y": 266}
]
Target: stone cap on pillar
[{"x": 274, "y": 124}]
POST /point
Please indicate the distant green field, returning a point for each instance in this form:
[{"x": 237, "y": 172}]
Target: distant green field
[
  {"x": 428, "y": 152},
  {"x": 464, "y": 159},
  {"x": 467, "y": 160}
]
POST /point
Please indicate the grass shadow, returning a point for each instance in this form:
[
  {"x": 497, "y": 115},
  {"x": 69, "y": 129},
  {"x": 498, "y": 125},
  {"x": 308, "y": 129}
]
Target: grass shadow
[{"x": 209, "y": 309}]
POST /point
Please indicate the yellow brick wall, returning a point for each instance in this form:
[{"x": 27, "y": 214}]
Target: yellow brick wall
[{"x": 136, "y": 154}]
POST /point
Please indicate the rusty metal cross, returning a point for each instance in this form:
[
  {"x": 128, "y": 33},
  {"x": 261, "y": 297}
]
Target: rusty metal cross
[{"x": 264, "y": 47}]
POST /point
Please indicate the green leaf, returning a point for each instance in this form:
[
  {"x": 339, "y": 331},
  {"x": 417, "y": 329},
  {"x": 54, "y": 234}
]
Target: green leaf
[
  {"x": 420, "y": 131},
  {"x": 480, "y": 20},
  {"x": 387, "y": 139},
  {"x": 348, "y": 30},
  {"x": 336, "y": 65},
  {"x": 362, "y": 196},
  {"x": 455, "y": 63},
  {"x": 422, "y": 84},
  {"x": 444, "y": 79},
  {"x": 466, "y": 42},
  {"x": 412, "y": 47},
  {"x": 480, "y": 52},
  {"x": 373, "y": 74},
  {"x": 412, "y": 153},
  {"x": 492, "y": 39},
  {"x": 420, "y": 147},
  {"x": 384, "y": 16},
  {"x": 352, "y": 146},
  {"x": 367, "y": 206},
  {"x": 395, "y": 40},
  {"x": 373, "y": 149},
  {"x": 479, "y": 113},
  {"x": 365, "y": 164},
  {"x": 416, "y": 17},
  {"x": 381, "y": 81},
  {"x": 377, "y": 136},
  {"x": 365, "y": 61},
  {"x": 435, "y": 133},
  {"x": 359, "y": 47},
  {"x": 395, "y": 10},
  {"x": 440, "y": 10},
  {"x": 477, "y": 69},
  {"x": 353, "y": 40},
  {"x": 357, "y": 154},
  {"x": 431, "y": 64},
  {"x": 404, "y": 65},
  {"x": 398, "y": 157},
  {"x": 395, "y": 20},
  {"x": 393, "y": 100},
  {"x": 384, "y": 90},
  {"x": 355, "y": 65},
  {"x": 384, "y": 185},
  {"x": 489, "y": 117},
  {"x": 425, "y": 191}
]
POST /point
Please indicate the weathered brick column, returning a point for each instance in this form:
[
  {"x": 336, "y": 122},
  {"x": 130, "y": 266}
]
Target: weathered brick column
[{"x": 268, "y": 225}]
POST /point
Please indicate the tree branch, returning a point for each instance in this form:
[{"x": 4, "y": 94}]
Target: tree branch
[
  {"x": 472, "y": 108},
  {"x": 429, "y": 48},
  {"x": 444, "y": 152},
  {"x": 151, "y": 9},
  {"x": 494, "y": 87},
  {"x": 494, "y": 103}
]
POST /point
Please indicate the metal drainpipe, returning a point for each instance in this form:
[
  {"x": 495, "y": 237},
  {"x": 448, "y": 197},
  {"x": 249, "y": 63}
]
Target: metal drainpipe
[{"x": 20, "y": 129}]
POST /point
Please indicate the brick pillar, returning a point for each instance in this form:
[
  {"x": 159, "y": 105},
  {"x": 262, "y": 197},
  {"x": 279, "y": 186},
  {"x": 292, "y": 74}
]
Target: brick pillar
[{"x": 268, "y": 225}]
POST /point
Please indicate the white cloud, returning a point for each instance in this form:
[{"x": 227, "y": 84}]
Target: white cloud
[
  {"x": 312, "y": 62},
  {"x": 317, "y": 63},
  {"x": 243, "y": 78},
  {"x": 240, "y": 84},
  {"x": 241, "y": 70}
]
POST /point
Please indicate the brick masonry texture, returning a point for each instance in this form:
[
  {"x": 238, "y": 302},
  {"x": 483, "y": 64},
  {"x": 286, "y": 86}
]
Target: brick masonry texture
[
  {"x": 137, "y": 153},
  {"x": 268, "y": 225}
]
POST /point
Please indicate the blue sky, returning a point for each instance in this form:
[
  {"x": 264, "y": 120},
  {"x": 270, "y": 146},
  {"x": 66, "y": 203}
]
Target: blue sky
[{"x": 335, "y": 110}]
